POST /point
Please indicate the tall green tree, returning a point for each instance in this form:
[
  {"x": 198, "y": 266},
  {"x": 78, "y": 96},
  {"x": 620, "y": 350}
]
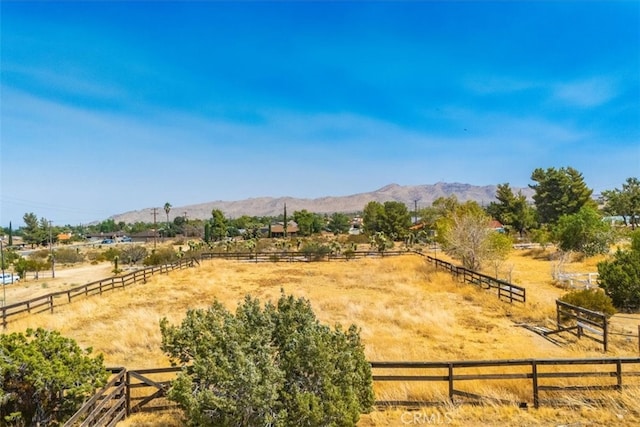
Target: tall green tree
[
  {"x": 339, "y": 223},
  {"x": 167, "y": 209},
  {"x": 624, "y": 202},
  {"x": 33, "y": 233},
  {"x": 218, "y": 225},
  {"x": 396, "y": 220},
  {"x": 276, "y": 366},
  {"x": 372, "y": 217},
  {"x": 308, "y": 222},
  {"x": 559, "y": 192},
  {"x": 512, "y": 210},
  {"x": 391, "y": 218}
]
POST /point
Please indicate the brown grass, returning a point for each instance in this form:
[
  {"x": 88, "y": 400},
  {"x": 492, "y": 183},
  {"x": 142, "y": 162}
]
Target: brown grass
[{"x": 406, "y": 311}]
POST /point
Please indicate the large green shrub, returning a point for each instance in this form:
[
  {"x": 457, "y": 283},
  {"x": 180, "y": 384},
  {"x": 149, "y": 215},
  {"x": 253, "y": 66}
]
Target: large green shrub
[
  {"x": 276, "y": 366},
  {"x": 620, "y": 279},
  {"x": 591, "y": 299},
  {"x": 45, "y": 377},
  {"x": 68, "y": 255}
]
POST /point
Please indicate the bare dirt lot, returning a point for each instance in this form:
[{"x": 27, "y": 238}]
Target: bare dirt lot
[{"x": 65, "y": 278}]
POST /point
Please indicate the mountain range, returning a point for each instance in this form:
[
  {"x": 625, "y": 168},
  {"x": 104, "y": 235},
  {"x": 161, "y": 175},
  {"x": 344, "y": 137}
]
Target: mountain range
[{"x": 411, "y": 195}]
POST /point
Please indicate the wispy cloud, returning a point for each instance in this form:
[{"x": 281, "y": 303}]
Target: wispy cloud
[{"x": 587, "y": 93}]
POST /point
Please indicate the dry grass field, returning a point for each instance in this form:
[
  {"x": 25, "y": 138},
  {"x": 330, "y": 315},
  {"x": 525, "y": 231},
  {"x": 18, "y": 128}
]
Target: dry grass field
[{"x": 405, "y": 309}]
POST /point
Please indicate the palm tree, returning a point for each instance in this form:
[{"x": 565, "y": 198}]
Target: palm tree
[{"x": 167, "y": 209}]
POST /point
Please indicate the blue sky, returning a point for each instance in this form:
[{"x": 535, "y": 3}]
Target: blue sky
[{"x": 108, "y": 107}]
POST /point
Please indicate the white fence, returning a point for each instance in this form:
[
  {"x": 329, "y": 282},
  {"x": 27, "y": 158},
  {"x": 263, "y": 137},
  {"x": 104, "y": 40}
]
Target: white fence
[{"x": 578, "y": 280}]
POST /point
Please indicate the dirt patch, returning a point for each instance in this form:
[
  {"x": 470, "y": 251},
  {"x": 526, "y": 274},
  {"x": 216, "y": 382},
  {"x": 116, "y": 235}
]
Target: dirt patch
[{"x": 65, "y": 278}]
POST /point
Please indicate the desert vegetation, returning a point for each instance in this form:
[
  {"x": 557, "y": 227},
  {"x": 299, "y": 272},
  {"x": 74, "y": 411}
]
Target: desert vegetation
[{"x": 404, "y": 308}]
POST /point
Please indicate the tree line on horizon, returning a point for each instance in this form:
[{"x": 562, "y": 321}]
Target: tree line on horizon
[{"x": 557, "y": 192}]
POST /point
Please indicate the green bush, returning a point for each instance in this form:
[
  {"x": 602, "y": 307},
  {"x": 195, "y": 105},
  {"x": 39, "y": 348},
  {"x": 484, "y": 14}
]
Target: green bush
[
  {"x": 591, "y": 299},
  {"x": 620, "y": 279},
  {"x": 161, "y": 256},
  {"x": 68, "y": 256},
  {"x": 45, "y": 377},
  {"x": 277, "y": 366},
  {"x": 315, "y": 251}
]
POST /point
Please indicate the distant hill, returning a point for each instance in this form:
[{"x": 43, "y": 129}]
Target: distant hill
[{"x": 272, "y": 206}]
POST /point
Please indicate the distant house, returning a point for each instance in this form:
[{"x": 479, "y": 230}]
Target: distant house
[
  {"x": 277, "y": 229},
  {"x": 114, "y": 235},
  {"x": 496, "y": 225},
  {"x": 145, "y": 236},
  {"x": 64, "y": 237}
]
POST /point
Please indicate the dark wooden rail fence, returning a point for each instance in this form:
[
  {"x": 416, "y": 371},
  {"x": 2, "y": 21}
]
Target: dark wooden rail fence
[
  {"x": 539, "y": 382},
  {"x": 296, "y": 256},
  {"x": 505, "y": 291},
  {"x": 49, "y": 301},
  {"x": 107, "y": 407},
  {"x": 582, "y": 323}
]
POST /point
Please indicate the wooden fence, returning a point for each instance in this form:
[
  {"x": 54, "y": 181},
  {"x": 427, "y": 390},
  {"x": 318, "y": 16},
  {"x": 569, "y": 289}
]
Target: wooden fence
[
  {"x": 296, "y": 256},
  {"x": 581, "y": 322},
  {"x": 505, "y": 290},
  {"x": 538, "y": 380},
  {"x": 49, "y": 301},
  {"x": 107, "y": 407}
]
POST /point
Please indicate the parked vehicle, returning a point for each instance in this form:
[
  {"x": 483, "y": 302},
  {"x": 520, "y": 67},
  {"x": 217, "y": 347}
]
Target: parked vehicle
[
  {"x": 107, "y": 241},
  {"x": 126, "y": 239},
  {"x": 9, "y": 278}
]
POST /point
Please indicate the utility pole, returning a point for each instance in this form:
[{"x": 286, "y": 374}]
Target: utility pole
[
  {"x": 155, "y": 228},
  {"x": 53, "y": 260},
  {"x": 284, "y": 228}
]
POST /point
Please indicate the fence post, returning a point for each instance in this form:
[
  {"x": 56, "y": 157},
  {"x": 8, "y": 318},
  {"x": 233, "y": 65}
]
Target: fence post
[
  {"x": 51, "y": 302},
  {"x": 619, "y": 374},
  {"x": 534, "y": 377},
  {"x": 128, "y": 391},
  {"x": 451, "y": 382},
  {"x": 605, "y": 333}
]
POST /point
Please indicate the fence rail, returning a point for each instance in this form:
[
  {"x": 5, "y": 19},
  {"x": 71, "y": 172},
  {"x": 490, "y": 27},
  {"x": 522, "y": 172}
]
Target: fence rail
[
  {"x": 505, "y": 290},
  {"x": 296, "y": 256},
  {"x": 582, "y": 323},
  {"x": 49, "y": 301},
  {"x": 107, "y": 407},
  {"x": 544, "y": 378}
]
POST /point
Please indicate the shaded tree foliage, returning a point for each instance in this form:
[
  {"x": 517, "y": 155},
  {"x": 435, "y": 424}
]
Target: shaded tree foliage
[
  {"x": 308, "y": 222},
  {"x": 391, "y": 218},
  {"x": 218, "y": 225},
  {"x": 620, "y": 276},
  {"x": 339, "y": 223},
  {"x": 583, "y": 232},
  {"x": 512, "y": 210},
  {"x": 559, "y": 192},
  {"x": 625, "y": 202},
  {"x": 32, "y": 233},
  {"x": 276, "y": 365},
  {"x": 45, "y": 377}
]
